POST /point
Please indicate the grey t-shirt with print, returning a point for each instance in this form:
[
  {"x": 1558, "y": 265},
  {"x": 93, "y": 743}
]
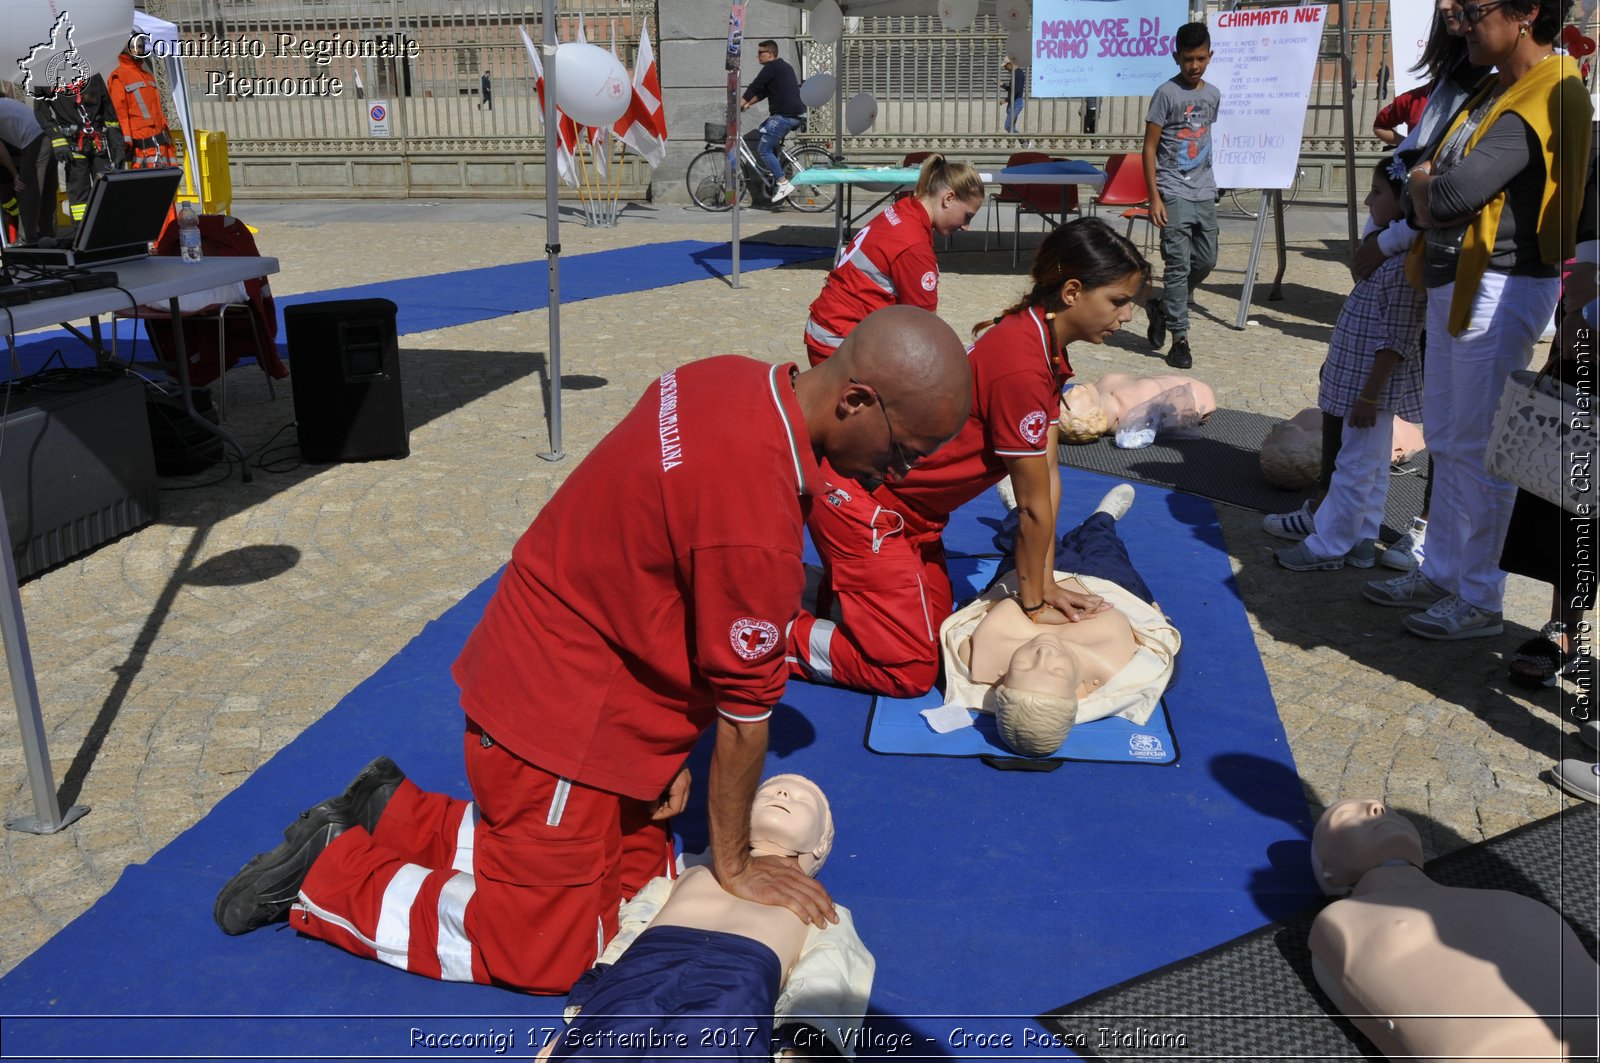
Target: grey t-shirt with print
[{"x": 1183, "y": 155}]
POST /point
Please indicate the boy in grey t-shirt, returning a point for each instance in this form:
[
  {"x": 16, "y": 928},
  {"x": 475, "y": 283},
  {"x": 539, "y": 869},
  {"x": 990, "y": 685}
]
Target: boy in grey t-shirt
[{"x": 1183, "y": 192}]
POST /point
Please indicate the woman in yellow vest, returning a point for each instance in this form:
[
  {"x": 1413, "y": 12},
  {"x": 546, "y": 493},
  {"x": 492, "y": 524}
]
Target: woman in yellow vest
[{"x": 1498, "y": 203}]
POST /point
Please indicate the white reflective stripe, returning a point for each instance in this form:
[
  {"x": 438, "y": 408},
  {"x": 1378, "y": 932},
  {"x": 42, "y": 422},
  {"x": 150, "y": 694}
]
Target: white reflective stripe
[
  {"x": 599, "y": 937},
  {"x": 858, "y": 258},
  {"x": 558, "y": 803},
  {"x": 818, "y": 657},
  {"x": 394, "y": 919},
  {"x": 455, "y": 951},
  {"x": 822, "y": 335},
  {"x": 464, "y": 839},
  {"x": 927, "y": 622},
  {"x": 743, "y": 719},
  {"x": 1021, "y": 453},
  {"x": 132, "y": 88},
  {"x": 1046, "y": 342},
  {"x": 788, "y": 429}
]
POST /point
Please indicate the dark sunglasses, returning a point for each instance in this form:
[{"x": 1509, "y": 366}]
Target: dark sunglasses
[{"x": 1472, "y": 14}]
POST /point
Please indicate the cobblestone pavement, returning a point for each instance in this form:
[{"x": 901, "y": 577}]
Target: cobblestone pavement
[{"x": 174, "y": 661}]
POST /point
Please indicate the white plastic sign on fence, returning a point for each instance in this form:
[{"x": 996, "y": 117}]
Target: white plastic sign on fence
[
  {"x": 1263, "y": 64},
  {"x": 378, "y": 118}
]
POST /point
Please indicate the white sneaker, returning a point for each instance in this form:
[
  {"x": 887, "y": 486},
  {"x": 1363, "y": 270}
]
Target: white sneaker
[
  {"x": 1411, "y": 591},
  {"x": 1578, "y": 778},
  {"x": 784, "y": 191},
  {"x": 1292, "y": 526},
  {"x": 1405, "y": 553},
  {"x": 1451, "y": 618},
  {"x": 1117, "y": 501}
]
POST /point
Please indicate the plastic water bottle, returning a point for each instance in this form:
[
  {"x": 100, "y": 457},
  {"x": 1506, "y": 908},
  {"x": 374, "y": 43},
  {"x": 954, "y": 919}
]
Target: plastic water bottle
[{"x": 189, "y": 234}]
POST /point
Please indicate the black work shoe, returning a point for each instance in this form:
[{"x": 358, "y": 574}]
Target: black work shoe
[
  {"x": 368, "y": 793},
  {"x": 1179, "y": 357},
  {"x": 263, "y": 890},
  {"x": 1157, "y": 332}
]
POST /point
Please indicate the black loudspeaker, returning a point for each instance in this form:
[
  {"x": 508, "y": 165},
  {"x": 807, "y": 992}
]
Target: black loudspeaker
[{"x": 344, "y": 366}]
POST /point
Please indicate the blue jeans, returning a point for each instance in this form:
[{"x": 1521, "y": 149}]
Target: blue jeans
[
  {"x": 773, "y": 130},
  {"x": 1189, "y": 249},
  {"x": 1013, "y": 113},
  {"x": 1093, "y": 548}
]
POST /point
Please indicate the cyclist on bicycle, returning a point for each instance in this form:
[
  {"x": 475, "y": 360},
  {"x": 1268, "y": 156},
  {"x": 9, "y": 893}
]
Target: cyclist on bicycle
[{"x": 777, "y": 85}]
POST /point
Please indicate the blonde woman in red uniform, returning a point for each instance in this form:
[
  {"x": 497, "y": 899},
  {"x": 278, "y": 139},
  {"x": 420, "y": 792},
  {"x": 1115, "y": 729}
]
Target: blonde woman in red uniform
[
  {"x": 882, "y": 549},
  {"x": 891, "y": 260}
]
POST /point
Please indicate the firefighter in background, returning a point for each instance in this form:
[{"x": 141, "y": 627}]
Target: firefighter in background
[
  {"x": 84, "y": 135},
  {"x": 137, "y": 101}
]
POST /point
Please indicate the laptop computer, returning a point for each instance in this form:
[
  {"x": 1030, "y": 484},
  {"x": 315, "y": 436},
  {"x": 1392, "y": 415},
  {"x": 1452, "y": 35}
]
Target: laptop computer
[{"x": 126, "y": 211}]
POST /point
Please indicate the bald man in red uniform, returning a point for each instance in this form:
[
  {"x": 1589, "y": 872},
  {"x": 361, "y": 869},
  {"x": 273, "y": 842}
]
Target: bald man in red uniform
[{"x": 645, "y": 604}]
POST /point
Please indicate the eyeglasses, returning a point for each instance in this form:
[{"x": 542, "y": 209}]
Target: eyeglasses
[
  {"x": 902, "y": 464},
  {"x": 1472, "y": 14}
]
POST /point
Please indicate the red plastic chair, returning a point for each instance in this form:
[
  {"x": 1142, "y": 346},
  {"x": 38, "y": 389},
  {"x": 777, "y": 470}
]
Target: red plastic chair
[
  {"x": 1125, "y": 187},
  {"x": 216, "y": 337},
  {"x": 1042, "y": 200}
]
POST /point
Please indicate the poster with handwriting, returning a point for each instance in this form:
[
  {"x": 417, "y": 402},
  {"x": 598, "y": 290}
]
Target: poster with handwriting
[
  {"x": 1263, "y": 61},
  {"x": 1103, "y": 47}
]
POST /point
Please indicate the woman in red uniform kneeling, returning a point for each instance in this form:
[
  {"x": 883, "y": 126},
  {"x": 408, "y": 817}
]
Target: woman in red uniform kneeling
[{"x": 882, "y": 549}]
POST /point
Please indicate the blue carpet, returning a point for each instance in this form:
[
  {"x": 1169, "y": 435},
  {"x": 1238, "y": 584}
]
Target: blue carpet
[
  {"x": 445, "y": 300},
  {"x": 987, "y": 897}
]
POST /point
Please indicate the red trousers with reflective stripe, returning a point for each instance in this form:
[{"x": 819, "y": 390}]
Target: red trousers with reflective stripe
[
  {"x": 893, "y": 593},
  {"x": 519, "y": 888}
]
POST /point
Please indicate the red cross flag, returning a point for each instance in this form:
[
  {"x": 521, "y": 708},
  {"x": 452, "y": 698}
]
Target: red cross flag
[
  {"x": 643, "y": 127},
  {"x": 566, "y": 139}
]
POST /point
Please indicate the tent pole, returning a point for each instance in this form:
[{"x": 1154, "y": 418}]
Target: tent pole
[{"x": 552, "y": 231}]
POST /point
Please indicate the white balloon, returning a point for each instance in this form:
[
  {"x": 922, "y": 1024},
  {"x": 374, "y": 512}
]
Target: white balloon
[
  {"x": 36, "y": 48},
  {"x": 827, "y": 22},
  {"x": 1016, "y": 15},
  {"x": 818, "y": 89},
  {"x": 592, "y": 85},
  {"x": 1019, "y": 43},
  {"x": 860, "y": 112},
  {"x": 957, "y": 14}
]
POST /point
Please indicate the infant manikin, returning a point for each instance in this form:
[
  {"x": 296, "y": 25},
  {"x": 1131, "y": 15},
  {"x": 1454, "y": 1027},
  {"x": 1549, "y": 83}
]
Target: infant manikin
[{"x": 1433, "y": 972}]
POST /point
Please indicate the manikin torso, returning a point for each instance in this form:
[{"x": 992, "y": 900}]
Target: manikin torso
[
  {"x": 1404, "y": 949},
  {"x": 1117, "y": 393},
  {"x": 698, "y": 901},
  {"x": 1103, "y": 643}
]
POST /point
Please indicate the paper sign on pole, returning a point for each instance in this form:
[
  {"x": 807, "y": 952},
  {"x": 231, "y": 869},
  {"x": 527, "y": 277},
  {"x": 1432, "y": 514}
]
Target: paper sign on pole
[
  {"x": 1409, "y": 25},
  {"x": 1263, "y": 64},
  {"x": 1103, "y": 47},
  {"x": 378, "y": 118}
]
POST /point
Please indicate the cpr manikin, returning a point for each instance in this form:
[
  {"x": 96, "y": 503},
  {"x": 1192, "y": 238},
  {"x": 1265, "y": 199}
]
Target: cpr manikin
[
  {"x": 1092, "y": 409},
  {"x": 1291, "y": 453},
  {"x": 1433, "y": 972},
  {"x": 690, "y": 956},
  {"x": 1041, "y": 678}
]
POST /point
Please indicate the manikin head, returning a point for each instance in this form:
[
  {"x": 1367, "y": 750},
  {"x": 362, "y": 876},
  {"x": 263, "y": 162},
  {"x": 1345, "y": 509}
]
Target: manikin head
[
  {"x": 1291, "y": 454},
  {"x": 1082, "y": 420},
  {"x": 1036, "y": 701},
  {"x": 790, "y": 817},
  {"x": 1356, "y": 835}
]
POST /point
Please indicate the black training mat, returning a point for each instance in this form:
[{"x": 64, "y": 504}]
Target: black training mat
[
  {"x": 1255, "y": 998},
  {"x": 1221, "y": 461}
]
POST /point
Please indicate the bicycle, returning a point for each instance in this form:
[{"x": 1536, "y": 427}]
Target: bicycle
[
  {"x": 1247, "y": 201},
  {"x": 707, "y": 176}
]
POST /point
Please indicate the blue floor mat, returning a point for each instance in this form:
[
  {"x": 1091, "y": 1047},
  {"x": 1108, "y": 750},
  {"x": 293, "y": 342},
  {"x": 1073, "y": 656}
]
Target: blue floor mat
[
  {"x": 986, "y": 897},
  {"x": 445, "y": 300},
  {"x": 897, "y": 727}
]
